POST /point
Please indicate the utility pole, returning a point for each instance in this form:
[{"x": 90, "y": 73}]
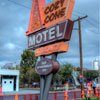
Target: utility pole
[
  {"x": 80, "y": 48},
  {"x": 99, "y": 74}
]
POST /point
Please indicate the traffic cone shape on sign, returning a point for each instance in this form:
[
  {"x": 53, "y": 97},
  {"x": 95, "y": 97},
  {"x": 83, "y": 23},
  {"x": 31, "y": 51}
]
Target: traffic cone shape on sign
[{"x": 16, "y": 97}]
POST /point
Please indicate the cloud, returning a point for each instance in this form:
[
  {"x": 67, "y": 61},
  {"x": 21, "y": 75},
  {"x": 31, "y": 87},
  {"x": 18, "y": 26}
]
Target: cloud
[{"x": 14, "y": 20}]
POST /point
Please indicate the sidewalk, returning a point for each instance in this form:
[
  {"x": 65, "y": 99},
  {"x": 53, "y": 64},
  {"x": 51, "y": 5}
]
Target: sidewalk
[{"x": 23, "y": 91}]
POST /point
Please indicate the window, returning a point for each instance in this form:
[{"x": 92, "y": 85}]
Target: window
[
  {"x": 4, "y": 82},
  {"x": 10, "y": 82}
]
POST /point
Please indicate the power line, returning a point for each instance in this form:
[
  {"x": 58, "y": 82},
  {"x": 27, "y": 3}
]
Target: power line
[
  {"x": 19, "y": 4},
  {"x": 93, "y": 31},
  {"x": 91, "y": 23},
  {"x": 78, "y": 12},
  {"x": 85, "y": 27},
  {"x": 76, "y": 29},
  {"x": 75, "y": 13}
]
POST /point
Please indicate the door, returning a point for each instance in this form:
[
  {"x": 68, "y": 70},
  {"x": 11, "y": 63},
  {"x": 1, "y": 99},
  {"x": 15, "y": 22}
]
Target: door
[{"x": 7, "y": 85}]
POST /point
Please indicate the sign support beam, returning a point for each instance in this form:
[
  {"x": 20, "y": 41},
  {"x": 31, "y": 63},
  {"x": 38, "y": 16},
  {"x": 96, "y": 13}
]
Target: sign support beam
[
  {"x": 45, "y": 81},
  {"x": 42, "y": 82}
]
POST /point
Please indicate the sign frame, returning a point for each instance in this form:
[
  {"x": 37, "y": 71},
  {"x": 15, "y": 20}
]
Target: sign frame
[{"x": 66, "y": 35}]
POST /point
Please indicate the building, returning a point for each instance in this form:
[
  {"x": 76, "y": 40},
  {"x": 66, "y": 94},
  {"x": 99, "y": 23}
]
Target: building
[
  {"x": 9, "y": 80},
  {"x": 96, "y": 64}
]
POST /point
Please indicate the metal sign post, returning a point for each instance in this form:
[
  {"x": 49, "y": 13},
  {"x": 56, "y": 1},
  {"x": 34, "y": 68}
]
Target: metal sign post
[{"x": 45, "y": 81}]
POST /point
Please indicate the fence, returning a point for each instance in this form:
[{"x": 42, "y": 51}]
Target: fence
[{"x": 72, "y": 95}]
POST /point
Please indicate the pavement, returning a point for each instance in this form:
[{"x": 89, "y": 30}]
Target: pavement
[
  {"x": 23, "y": 91},
  {"x": 29, "y": 91}
]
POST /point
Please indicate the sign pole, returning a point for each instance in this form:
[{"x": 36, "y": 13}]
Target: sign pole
[
  {"x": 48, "y": 80},
  {"x": 45, "y": 81},
  {"x": 42, "y": 82},
  {"x": 47, "y": 86}
]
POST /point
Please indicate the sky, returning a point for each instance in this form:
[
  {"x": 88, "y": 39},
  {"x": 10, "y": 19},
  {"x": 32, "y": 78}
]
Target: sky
[{"x": 14, "y": 20}]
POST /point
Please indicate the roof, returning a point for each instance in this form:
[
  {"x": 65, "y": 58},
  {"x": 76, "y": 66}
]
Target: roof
[{"x": 9, "y": 72}]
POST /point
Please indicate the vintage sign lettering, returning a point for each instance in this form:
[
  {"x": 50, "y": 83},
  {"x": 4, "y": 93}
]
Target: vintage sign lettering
[
  {"x": 54, "y": 48},
  {"x": 47, "y": 66},
  {"x": 56, "y": 33},
  {"x": 57, "y": 11}
]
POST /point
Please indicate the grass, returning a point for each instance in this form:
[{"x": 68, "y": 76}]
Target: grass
[{"x": 92, "y": 98}]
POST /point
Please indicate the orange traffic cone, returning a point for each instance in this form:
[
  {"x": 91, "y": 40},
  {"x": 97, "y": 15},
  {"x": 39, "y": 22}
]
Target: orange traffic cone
[
  {"x": 99, "y": 96},
  {"x": 16, "y": 97},
  {"x": 66, "y": 95},
  {"x": 83, "y": 94},
  {"x": 96, "y": 91},
  {"x": 97, "y": 87}
]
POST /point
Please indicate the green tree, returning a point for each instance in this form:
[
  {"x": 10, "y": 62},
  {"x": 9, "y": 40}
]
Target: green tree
[
  {"x": 91, "y": 74},
  {"x": 78, "y": 69},
  {"x": 28, "y": 59},
  {"x": 64, "y": 74},
  {"x": 27, "y": 66}
]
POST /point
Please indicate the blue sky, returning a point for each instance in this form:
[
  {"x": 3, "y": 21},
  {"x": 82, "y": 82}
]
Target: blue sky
[{"x": 14, "y": 20}]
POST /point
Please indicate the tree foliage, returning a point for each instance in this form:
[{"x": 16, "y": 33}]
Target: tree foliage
[
  {"x": 91, "y": 74},
  {"x": 64, "y": 74},
  {"x": 28, "y": 59},
  {"x": 27, "y": 67},
  {"x": 28, "y": 74}
]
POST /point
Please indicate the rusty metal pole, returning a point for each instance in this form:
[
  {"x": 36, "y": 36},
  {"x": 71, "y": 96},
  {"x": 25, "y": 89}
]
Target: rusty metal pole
[{"x": 81, "y": 57}]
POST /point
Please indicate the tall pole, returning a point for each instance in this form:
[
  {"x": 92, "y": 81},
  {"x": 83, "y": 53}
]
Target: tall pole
[
  {"x": 80, "y": 47},
  {"x": 99, "y": 74}
]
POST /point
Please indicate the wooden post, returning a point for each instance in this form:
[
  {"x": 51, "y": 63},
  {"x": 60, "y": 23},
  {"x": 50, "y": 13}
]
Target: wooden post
[
  {"x": 81, "y": 57},
  {"x": 80, "y": 48}
]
